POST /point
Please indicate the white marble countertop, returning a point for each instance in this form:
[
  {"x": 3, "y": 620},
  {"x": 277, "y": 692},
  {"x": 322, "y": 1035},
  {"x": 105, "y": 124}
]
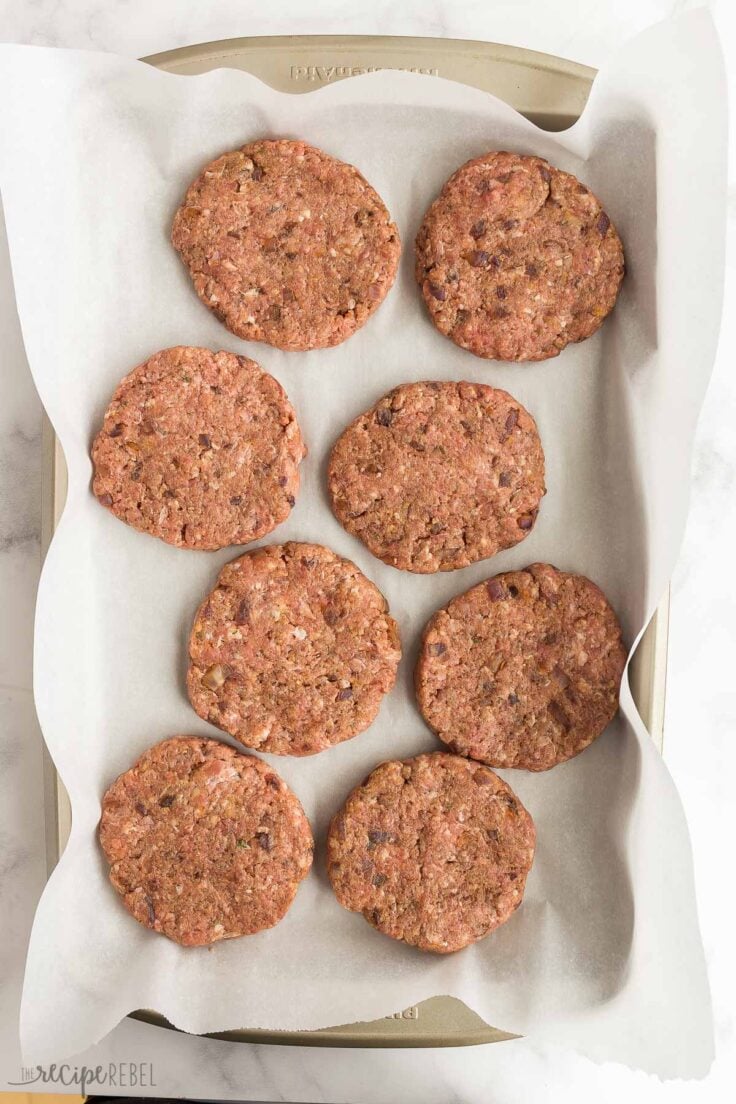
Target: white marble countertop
[{"x": 701, "y": 711}]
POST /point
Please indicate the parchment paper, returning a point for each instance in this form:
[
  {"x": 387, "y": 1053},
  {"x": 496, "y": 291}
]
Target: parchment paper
[{"x": 95, "y": 154}]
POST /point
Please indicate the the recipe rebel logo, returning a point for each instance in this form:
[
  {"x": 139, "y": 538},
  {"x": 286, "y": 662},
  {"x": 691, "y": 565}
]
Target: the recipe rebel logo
[{"x": 111, "y": 1075}]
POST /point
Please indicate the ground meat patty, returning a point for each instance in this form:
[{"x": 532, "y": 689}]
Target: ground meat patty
[
  {"x": 292, "y": 651},
  {"x": 523, "y": 670},
  {"x": 433, "y": 850},
  {"x": 438, "y": 475},
  {"x": 287, "y": 245},
  {"x": 516, "y": 259},
  {"x": 204, "y": 843},
  {"x": 200, "y": 449}
]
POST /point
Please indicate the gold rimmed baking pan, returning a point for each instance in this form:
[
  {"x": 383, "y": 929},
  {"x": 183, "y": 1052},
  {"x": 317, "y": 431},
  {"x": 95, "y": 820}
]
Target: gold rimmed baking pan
[{"x": 552, "y": 93}]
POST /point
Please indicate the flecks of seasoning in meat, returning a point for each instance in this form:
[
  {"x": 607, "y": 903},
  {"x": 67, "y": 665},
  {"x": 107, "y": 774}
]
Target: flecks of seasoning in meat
[
  {"x": 548, "y": 592},
  {"x": 214, "y": 677},
  {"x": 437, "y": 292},
  {"x": 242, "y": 614},
  {"x": 151, "y": 911},
  {"x": 559, "y": 714},
  {"x": 512, "y": 419},
  {"x": 496, "y": 590}
]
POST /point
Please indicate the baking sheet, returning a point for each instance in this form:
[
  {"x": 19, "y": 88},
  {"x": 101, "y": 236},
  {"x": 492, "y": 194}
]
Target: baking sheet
[{"x": 95, "y": 153}]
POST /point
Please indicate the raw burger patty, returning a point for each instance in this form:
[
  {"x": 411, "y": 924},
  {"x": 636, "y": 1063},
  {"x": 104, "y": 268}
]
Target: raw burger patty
[
  {"x": 204, "y": 843},
  {"x": 438, "y": 475},
  {"x": 516, "y": 259},
  {"x": 287, "y": 245},
  {"x": 433, "y": 850},
  {"x": 198, "y": 448},
  {"x": 523, "y": 670},
  {"x": 292, "y": 651}
]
